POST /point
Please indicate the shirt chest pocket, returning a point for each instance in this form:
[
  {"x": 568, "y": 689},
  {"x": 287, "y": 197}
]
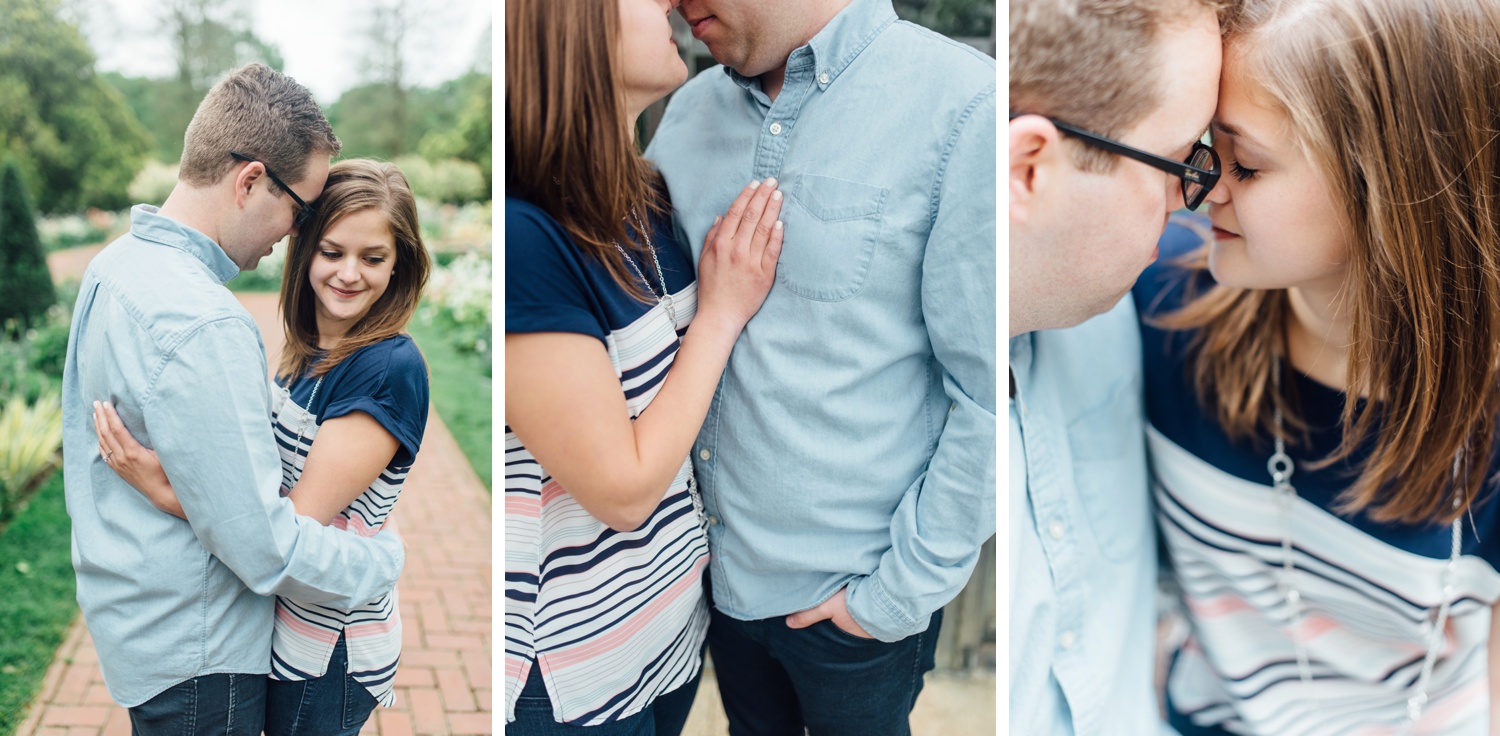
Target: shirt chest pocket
[
  {"x": 1109, "y": 469},
  {"x": 832, "y": 226}
]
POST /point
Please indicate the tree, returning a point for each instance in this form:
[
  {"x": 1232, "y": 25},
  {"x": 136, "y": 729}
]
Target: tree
[
  {"x": 25, "y": 283},
  {"x": 470, "y": 139},
  {"x": 952, "y": 18},
  {"x": 74, "y": 139}
]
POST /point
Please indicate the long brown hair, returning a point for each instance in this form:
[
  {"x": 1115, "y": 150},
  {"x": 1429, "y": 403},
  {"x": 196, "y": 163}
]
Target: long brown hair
[
  {"x": 353, "y": 186},
  {"x": 1394, "y": 102},
  {"x": 569, "y": 148}
]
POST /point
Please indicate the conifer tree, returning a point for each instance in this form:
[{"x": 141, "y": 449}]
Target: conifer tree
[{"x": 25, "y": 283}]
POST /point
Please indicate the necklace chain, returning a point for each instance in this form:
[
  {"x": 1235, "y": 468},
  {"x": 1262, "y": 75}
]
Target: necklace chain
[
  {"x": 307, "y": 416},
  {"x": 1281, "y": 467},
  {"x": 666, "y": 300}
]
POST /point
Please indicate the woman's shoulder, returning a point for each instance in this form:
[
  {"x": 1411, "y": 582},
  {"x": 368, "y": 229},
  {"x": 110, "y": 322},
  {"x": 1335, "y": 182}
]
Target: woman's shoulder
[
  {"x": 396, "y": 356},
  {"x": 530, "y": 230}
]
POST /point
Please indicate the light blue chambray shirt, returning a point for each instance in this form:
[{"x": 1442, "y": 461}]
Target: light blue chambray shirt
[
  {"x": 1082, "y": 537},
  {"x": 851, "y": 440},
  {"x": 165, "y": 600}
]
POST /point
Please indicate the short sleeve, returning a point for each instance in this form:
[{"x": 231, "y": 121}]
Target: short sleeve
[
  {"x": 388, "y": 381},
  {"x": 546, "y": 283}
]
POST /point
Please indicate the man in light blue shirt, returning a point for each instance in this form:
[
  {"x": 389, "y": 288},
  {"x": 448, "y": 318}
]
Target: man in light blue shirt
[
  {"x": 1085, "y": 215},
  {"x": 178, "y": 610},
  {"x": 848, "y": 457}
]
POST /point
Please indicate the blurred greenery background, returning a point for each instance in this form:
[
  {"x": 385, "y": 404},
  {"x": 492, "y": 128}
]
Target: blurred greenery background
[{"x": 95, "y": 96}]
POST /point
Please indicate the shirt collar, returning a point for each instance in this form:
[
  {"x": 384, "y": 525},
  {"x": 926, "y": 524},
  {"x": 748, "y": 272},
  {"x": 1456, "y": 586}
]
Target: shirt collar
[
  {"x": 838, "y": 44},
  {"x": 147, "y": 224}
]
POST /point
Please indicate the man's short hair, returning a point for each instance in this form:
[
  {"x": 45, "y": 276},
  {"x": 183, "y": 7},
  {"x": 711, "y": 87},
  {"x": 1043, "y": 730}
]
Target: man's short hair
[
  {"x": 1091, "y": 63},
  {"x": 259, "y": 112}
]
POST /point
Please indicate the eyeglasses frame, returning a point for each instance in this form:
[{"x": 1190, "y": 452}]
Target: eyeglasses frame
[
  {"x": 305, "y": 211},
  {"x": 1188, "y": 173}
]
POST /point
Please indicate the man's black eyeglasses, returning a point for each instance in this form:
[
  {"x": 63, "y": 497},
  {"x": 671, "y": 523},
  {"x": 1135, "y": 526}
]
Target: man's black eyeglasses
[
  {"x": 1199, "y": 173},
  {"x": 305, "y": 211}
]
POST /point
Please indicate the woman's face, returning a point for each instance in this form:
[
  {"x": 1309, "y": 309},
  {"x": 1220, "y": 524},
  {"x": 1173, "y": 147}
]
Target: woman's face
[
  {"x": 1275, "y": 223},
  {"x": 649, "y": 63},
  {"x": 350, "y": 271}
]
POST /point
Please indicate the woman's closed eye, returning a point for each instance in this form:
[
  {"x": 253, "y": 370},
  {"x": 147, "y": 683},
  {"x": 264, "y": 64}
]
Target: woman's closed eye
[{"x": 1241, "y": 172}]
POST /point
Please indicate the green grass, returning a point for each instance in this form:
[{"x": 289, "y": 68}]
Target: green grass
[
  {"x": 461, "y": 395},
  {"x": 36, "y": 567}
]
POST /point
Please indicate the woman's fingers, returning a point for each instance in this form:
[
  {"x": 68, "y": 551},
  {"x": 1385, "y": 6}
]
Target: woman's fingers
[
  {"x": 107, "y": 444},
  {"x": 772, "y": 253},
  {"x": 761, "y": 236},
  {"x": 730, "y": 226},
  {"x": 116, "y": 437},
  {"x": 755, "y": 213}
]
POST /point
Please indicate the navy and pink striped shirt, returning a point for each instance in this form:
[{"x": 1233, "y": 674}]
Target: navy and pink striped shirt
[
  {"x": 1368, "y": 588},
  {"x": 613, "y": 619}
]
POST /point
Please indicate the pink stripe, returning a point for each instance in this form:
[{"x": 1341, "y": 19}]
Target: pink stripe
[
  {"x": 373, "y": 628},
  {"x": 305, "y": 629},
  {"x": 1220, "y": 605},
  {"x": 523, "y": 505},
  {"x": 620, "y": 634},
  {"x": 1453, "y": 709},
  {"x": 551, "y": 492}
]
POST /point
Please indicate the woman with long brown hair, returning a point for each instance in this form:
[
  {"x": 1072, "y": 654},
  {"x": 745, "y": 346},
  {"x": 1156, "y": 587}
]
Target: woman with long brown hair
[
  {"x": 612, "y": 354},
  {"x": 349, "y": 406},
  {"x": 1324, "y": 378}
]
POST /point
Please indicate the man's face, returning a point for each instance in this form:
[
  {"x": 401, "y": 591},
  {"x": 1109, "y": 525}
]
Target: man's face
[
  {"x": 1103, "y": 227},
  {"x": 269, "y": 214},
  {"x": 750, "y": 36}
]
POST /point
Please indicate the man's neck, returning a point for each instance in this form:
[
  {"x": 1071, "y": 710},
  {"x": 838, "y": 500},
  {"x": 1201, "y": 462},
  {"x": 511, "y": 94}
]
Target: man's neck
[
  {"x": 193, "y": 207},
  {"x": 820, "y": 14}
]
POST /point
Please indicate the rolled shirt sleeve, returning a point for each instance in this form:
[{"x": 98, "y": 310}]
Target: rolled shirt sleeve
[
  {"x": 948, "y": 513},
  {"x": 226, "y": 471}
]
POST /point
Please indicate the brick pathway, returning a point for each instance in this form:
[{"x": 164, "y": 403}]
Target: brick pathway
[{"x": 443, "y": 685}]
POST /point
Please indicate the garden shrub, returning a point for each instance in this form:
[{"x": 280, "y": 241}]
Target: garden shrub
[{"x": 25, "y": 283}]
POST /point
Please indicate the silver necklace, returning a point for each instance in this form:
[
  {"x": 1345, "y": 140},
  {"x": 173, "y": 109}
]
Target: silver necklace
[
  {"x": 1281, "y": 467},
  {"x": 665, "y": 299},
  {"x": 306, "y": 416},
  {"x": 666, "y": 294}
]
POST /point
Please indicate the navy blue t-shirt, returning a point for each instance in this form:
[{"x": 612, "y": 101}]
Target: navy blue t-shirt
[
  {"x": 553, "y": 286},
  {"x": 1175, "y": 410},
  {"x": 387, "y": 380}
]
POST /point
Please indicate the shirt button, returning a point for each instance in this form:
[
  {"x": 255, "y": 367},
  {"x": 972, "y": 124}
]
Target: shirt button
[
  {"x": 1055, "y": 528},
  {"x": 823, "y": 78},
  {"x": 704, "y": 454},
  {"x": 775, "y": 128},
  {"x": 713, "y": 521},
  {"x": 1067, "y": 640}
]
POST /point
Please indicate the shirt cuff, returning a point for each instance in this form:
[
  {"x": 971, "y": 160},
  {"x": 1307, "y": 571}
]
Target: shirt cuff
[{"x": 878, "y": 613}]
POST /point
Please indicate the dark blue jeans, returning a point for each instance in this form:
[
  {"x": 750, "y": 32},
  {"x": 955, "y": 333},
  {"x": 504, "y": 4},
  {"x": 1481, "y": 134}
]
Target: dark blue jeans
[
  {"x": 776, "y": 681},
  {"x": 666, "y": 716},
  {"x": 332, "y": 705},
  {"x": 211, "y": 705}
]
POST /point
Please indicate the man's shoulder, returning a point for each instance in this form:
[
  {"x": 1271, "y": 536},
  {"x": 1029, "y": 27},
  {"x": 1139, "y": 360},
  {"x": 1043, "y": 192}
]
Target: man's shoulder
[
  {"x": 165, "y": 291},
  {"x": 951, "y": 63}
]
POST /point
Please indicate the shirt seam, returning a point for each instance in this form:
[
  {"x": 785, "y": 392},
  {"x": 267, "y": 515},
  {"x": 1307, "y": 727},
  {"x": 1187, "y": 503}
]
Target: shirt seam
[{"x": 955, "y": 133}]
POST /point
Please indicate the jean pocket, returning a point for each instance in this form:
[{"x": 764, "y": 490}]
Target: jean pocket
[
  {"x": 832, "y": 226},
  {"x": 838, "y": 633},
  {"x": 1109, "y": 468}
]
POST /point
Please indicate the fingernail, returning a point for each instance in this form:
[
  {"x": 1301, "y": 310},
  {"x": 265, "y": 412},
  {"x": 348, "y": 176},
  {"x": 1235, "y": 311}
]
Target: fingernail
[
  {"x": 776, "y": 195},
  {"x": 718, "y": 218},
  {"x": 96, "y": 406},
  {"x": 778, "y": 224},
  {"x": 771, "y": 182},
  {"x": 755, "y": 184}
]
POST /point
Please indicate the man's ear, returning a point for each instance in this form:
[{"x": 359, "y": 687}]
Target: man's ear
[
  {"x": 245, "y": 178},
  {"x": 1036, "y": 162}
]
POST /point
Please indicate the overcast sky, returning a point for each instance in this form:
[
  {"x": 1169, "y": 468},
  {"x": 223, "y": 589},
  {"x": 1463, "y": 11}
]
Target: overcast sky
[{"x": 322, "y": 41}]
